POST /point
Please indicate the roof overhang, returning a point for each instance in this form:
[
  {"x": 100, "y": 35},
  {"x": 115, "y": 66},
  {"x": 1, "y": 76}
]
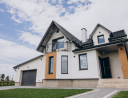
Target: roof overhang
[
  {"x": 102, "y": 47},
  {"x": 49, "y": 33},
  {"x": 28, "y": 61}
]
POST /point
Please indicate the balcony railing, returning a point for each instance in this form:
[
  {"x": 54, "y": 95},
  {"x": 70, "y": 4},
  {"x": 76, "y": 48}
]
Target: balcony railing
[{"x": 58, "y": 46}]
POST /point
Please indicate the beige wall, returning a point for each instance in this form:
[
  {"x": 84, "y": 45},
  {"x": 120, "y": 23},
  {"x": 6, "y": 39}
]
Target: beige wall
[
  {"x": 68, "y": 83},
  {"x": 115, "y": 64}
]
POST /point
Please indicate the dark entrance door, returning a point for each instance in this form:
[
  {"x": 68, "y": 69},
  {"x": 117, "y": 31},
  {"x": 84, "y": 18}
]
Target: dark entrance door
[
  {"x": 29, "y": 78},
  {"x": 105, "y": 67}
]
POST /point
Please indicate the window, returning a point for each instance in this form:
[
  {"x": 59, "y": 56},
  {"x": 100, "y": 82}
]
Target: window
[
  {"x": 50, "y": 65},
  {"x": 83, "y": 62},
  {"x": 58, "y": 43},
  {"x": 101, "y": 39},
  {"x": 64, "y": 64}
]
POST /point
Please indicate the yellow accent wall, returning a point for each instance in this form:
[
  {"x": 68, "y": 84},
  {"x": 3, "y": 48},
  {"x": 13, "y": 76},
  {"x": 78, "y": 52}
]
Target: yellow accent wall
[
  {"x": 47, "y": 75},
  {"x": 123, "y": 60}
]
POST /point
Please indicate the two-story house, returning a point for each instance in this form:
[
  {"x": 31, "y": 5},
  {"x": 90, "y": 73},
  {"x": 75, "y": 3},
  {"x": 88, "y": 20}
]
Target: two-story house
[{"x": 97, "y": 61}]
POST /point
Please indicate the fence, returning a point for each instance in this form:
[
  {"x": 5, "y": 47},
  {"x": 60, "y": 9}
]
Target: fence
[{"x": 7, "y": 83}]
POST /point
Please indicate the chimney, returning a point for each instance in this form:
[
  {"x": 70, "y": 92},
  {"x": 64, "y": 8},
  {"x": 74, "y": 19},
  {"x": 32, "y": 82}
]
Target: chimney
[{"x": 84, "y": 34}]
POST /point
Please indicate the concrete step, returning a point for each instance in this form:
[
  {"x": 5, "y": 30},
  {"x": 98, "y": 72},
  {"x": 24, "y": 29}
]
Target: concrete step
[{"x": 112, "y": 83}]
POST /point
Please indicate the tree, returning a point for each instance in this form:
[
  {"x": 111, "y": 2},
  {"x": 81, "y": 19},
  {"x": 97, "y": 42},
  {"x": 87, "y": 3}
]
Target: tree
[
  {"x": 7, "y": 78},
  {"x": 2, "y": 76}
]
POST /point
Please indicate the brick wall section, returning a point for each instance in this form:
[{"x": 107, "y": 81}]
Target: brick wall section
[
  {"x": 50, "y": 76},
  {"x": 123, "y": 60}
]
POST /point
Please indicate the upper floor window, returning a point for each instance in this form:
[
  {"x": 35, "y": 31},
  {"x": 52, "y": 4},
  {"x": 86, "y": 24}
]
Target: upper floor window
[
  {"x": 101, "y": 39},
  {"x": 50, "y": 65},
  {"x": 58, "y": 43},
  {"x": 64, "y": 64},
  {"x": 83, "y": 62}
]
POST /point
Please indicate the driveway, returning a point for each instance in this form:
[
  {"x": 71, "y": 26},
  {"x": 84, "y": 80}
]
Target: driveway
[{"x": 96, "y": 93}]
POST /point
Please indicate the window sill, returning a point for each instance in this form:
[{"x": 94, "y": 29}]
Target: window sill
[
  {"x": 64, "y": 73},
  {"x": 82, "y": 69}
]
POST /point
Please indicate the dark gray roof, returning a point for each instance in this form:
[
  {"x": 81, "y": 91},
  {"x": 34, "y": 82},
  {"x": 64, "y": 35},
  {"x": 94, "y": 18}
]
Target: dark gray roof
[
  {"x": 67, "y": 34},
  {"x": 49, "y": 33},
  {"x": 106, "y": 44},
  {"x": 27, "y": 61},
  {"x": 88, "y": 42},
  {"x": 119, "y": 34}
]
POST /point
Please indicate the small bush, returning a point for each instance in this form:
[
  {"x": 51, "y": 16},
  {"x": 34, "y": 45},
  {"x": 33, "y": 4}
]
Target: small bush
[{"x": 6, "y": 83}]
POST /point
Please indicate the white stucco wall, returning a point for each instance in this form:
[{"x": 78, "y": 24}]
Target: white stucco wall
[
  {"x": 58, "y": 67},
  {"x": 36, "y": 64},
  {"x": 102, "y": 32},
  {"x": 92, "y": 71},
  {"x": 73, "y": 66}
]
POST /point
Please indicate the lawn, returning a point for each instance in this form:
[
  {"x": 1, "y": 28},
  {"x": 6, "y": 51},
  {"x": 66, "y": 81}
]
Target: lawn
[
  {"x": 121, "y": 94},
  {"x": 40, "y": 93}
]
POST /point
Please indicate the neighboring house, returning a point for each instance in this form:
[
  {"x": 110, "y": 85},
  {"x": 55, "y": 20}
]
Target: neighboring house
[{"x": 97, "y": 61}]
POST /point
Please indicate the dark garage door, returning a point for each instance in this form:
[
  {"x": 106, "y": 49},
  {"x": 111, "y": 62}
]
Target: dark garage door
[{"x": 29, "y": 78}]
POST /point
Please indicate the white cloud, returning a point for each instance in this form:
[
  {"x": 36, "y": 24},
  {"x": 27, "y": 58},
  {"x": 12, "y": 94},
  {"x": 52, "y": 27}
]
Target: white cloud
[
  {"x": 14, "y": 18},
  {"x": 7, "y": 70},
  {"x": 1, "y": 24},
  {"x": 10, "y": 50},
  {"x": 110, "y": 13},
  {"x": 1, "y": 10},
  {"x": 30, "y": 38},
  {"x": 76, "y": 1}
]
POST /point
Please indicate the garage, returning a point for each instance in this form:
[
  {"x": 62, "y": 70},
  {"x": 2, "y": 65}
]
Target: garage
[{"x": 29, "y": 78}]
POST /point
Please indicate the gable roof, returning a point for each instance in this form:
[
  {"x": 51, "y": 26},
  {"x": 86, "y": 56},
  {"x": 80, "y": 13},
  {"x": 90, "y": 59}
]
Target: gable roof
[
  {"x": 49, "y": 33},
  {"x": 97, "y": 27},
  {"x": 28, "y": 61}
]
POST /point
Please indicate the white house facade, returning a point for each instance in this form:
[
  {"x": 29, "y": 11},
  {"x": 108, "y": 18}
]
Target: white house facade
[{"x": 69, "y": 62}]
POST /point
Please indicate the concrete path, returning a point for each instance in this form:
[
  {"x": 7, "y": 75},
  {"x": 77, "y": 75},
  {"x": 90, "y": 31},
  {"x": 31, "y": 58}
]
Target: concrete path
[
  {"x": 96, "y": 93},
  {"x": 99, "y": 93}
]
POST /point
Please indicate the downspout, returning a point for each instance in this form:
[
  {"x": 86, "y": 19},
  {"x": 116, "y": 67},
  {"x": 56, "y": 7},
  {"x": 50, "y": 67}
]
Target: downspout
[{"x": 125, "y": 49}]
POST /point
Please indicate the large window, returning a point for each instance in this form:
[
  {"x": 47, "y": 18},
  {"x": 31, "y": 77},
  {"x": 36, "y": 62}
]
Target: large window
[
  {"x": 64, "y": 64},
  {"x": 58, "y": 43},
  {"x": 101, "y": 39},
  {"x": 50, "y": 65},
  {"x": 83, "y": 62}
]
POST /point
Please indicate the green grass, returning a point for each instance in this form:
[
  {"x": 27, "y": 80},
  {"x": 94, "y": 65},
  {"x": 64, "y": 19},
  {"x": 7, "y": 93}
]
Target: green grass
[
  {"x": 40, "y": 93},
  {"x": 121, "y": 94}
]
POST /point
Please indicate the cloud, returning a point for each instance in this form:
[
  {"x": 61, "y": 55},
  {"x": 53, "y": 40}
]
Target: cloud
[
  {"x": 32, "y": 39},
  {"x": 16, "y": 20},
  {"x": 11, "y": 51},
  {"x": 1, "y": 10},
  {"x": 8, "y": 70},
  {"x": 76, "y": 1},
  {"x": 75, "y": 15}
]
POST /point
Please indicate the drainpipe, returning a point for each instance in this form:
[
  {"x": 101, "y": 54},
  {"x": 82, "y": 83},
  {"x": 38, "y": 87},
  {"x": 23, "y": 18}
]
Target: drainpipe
[{"x": 125, "y": 49}]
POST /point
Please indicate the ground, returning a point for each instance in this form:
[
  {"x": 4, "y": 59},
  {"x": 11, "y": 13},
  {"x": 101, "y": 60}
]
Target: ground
[
  {"x": 121, "y": 94},
  {"x": 40, "y": 93}
]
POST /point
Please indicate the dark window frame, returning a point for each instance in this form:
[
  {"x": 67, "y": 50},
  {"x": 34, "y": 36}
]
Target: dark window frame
[
  {"x": 56, "y": 42},
  {"x": 100, "y": 36},
  {"x": 50, "y": 64},
  {"x": 67, "y": 63},
  {"x": 80, "y": 63}
]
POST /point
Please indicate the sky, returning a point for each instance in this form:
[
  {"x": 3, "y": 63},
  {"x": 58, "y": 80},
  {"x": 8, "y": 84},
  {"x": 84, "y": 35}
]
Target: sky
[{"x": 24, "y": 22}]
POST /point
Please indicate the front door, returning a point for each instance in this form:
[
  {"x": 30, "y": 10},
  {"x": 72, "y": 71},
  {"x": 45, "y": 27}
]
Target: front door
[{"x": 105, "y": 67}]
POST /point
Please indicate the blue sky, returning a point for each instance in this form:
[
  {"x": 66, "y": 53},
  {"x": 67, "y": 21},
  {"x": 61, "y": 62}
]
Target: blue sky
[{"x": 24, "y": 22}]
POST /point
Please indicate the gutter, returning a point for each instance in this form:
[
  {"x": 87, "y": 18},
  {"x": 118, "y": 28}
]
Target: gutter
[
  {"x": 27, "y": 62},
  {"x": 99, "y": 46}
]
